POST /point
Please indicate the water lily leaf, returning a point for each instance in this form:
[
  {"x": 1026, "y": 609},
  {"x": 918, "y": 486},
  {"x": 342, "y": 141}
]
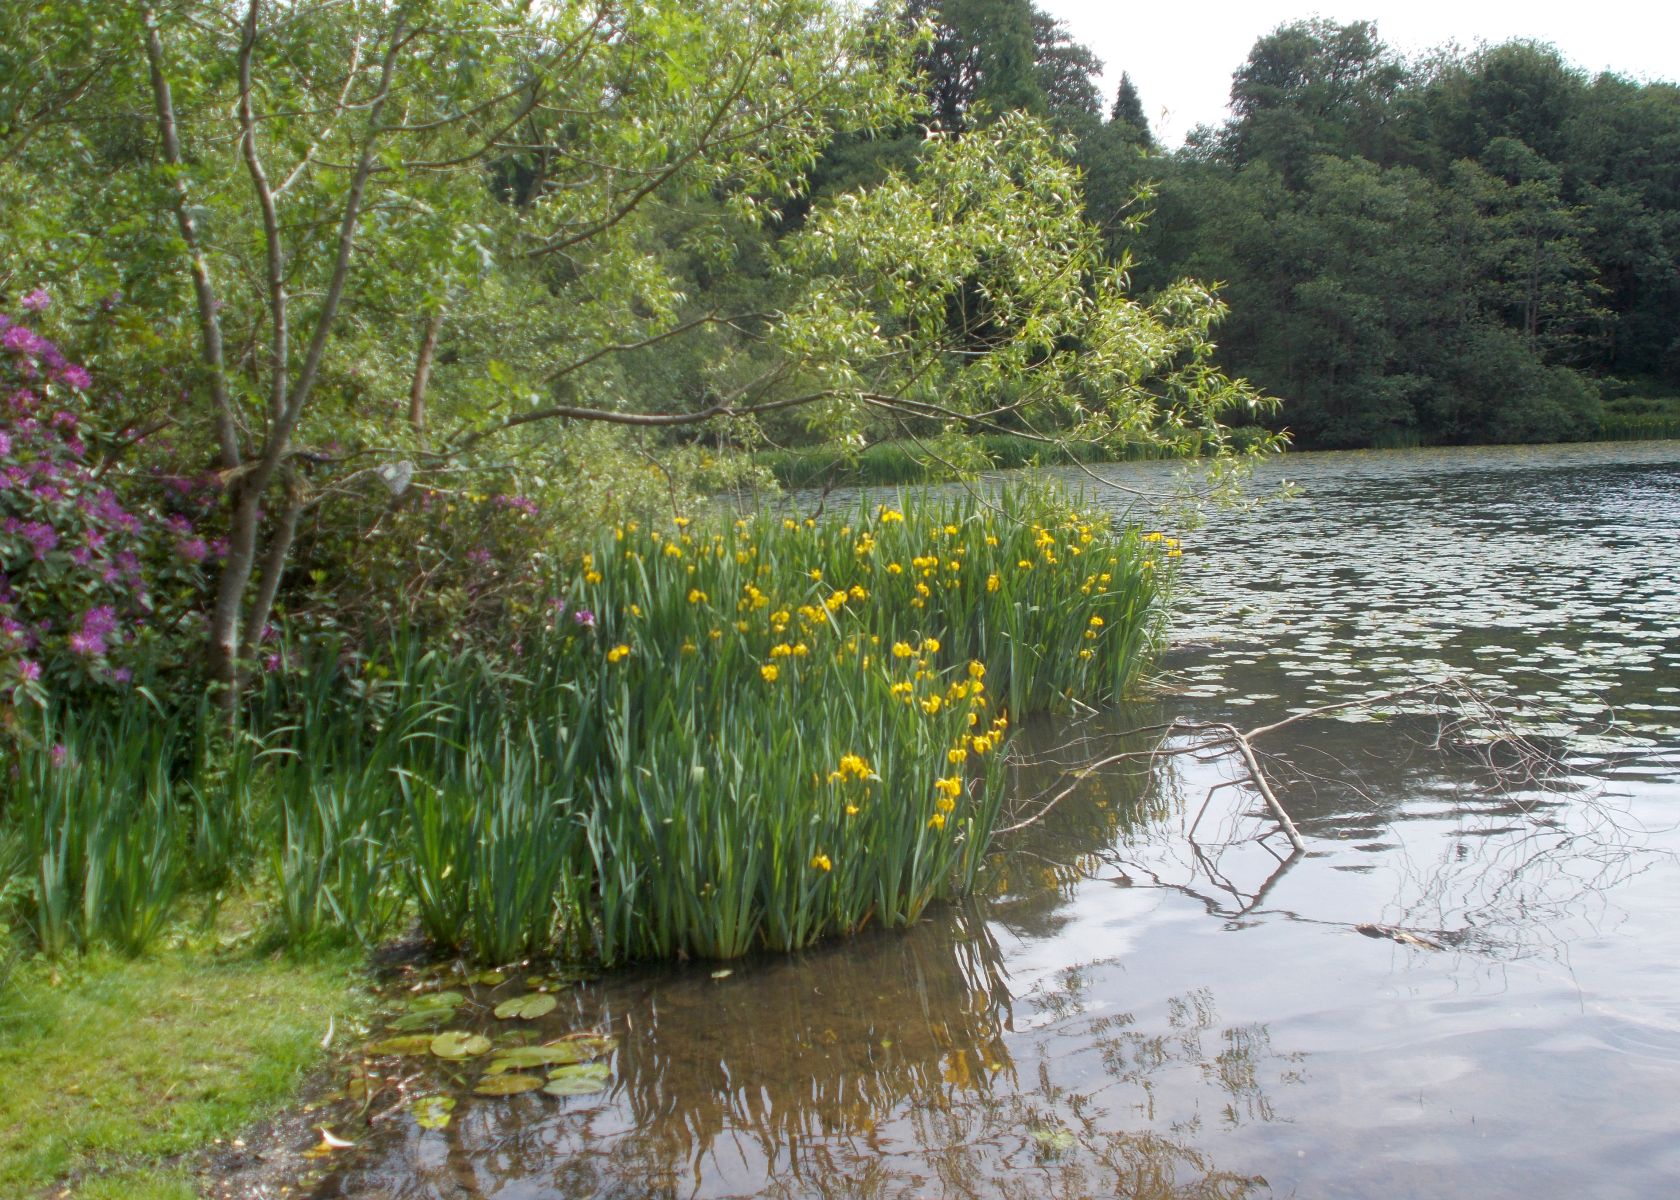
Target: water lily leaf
[
  {"x": 518, "y": 1058},
  {"x": 454, "y": 1043},
  {"x": 432, "y": 1112},
  {"x": 425, "y": 1019},
  {"x": 491, "y": 978},
  {"x": 527, "y": 1008},
  {"x": 507, "y": 1085},
  {"x": 428, "y": 1000},
  {"x": 414, "y": 1043},
  {"x": 579, "y": 1079}
]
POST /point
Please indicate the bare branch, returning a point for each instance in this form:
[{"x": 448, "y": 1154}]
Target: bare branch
[
  {"x": 274, "y": 262},
  {"x": 210, "y": 328}
]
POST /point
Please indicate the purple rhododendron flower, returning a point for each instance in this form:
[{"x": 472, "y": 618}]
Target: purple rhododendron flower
[
  {"x": 21, "y": 340},
  {"x": 82, "y": 642},
  {"x": 35, "y": 301},
  {"x": 100, "y": 621},
  {"x": 29, "y": 669},
  {"x": 42, "y": 538},
  {"x": 71, "y": 375},
  {"x": 194, "y": 550},
  {"x": 585, "y": 618}
]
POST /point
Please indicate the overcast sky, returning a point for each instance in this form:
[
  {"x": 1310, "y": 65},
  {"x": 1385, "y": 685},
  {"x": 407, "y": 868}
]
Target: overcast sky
[{"x": 1181, "y": 56}]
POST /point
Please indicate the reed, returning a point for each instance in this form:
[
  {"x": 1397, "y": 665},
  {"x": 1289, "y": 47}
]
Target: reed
[{"x": 748, "y": 734}]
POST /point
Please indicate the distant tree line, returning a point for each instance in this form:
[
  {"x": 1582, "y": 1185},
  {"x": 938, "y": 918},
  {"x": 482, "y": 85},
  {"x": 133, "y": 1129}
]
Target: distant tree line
[{"x": 1474, "y": 246}]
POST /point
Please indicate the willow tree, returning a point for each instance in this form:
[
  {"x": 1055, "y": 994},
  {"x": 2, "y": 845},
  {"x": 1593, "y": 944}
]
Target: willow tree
[{"x": 329, "y": 187}]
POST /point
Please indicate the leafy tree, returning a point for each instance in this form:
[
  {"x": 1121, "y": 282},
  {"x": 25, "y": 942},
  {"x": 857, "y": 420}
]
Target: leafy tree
[
  {"x": 397, "y": 247},
  {"x": 1311, "y": 88}
]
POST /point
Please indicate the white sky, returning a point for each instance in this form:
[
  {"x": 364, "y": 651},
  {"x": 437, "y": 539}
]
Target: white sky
[{"x": 1181, "y": 58}]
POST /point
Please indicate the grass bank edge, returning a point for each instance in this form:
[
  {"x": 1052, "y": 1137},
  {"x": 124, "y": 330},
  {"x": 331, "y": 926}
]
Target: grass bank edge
[{"x": 118, "y": 1073}]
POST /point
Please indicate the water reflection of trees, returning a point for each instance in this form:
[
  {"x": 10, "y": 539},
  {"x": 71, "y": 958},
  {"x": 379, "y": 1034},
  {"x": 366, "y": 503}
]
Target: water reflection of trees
[
  {"x": 1498, "y": 849},
  {"x": 882, "y": 1068}
]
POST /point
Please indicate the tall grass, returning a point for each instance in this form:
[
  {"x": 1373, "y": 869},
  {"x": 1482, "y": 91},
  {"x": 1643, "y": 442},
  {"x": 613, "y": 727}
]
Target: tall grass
[
  {"x": 91, "y": 814},
  {"x": 750, "y": 734}
]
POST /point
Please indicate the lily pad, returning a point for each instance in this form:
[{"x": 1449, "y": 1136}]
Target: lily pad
[
  {"x": 427, "y": 1011},
  {"x": 526, "y": 1008},
  {"x": 579, "y": 1079},
  {"x": 491, "y": 978},
  {"x": 414, "y": 1043},
  {"x": 425, "y": 1018},
  {"x": 507, "y": 1085},
  {"x": 572, "y": 1050},
  {"x": 454, "y": 1043},
  {"x": 432, "y": 1112}
]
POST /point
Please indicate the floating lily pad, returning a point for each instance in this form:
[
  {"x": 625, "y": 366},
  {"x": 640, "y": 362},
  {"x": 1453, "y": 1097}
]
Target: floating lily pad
[
  {"x": 507, "y": 1085},
  {"x": 572, "y": 1050},
  {"x": 526, "y": 1008},
  {"x": 425, "y": 1018},
  {"x": 579, "y": 1079},
  {"x": 491, "y": 978},
  {"x": 428, "y": 1011},
  {"x": 414, "y": 1043},
  {"x": 432, "y": 1112},
  {"x": 453, "y": 1043},
  {"x": 519, "y": 1058}
]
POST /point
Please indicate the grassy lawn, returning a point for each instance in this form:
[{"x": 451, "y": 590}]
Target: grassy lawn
[{"x": 110, "y": 1068}]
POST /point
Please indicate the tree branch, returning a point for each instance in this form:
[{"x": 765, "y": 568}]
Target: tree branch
[{"x": 210, "y": 328}]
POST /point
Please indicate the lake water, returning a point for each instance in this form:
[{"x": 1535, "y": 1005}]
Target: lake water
[{"x": 1155, "y": 998}]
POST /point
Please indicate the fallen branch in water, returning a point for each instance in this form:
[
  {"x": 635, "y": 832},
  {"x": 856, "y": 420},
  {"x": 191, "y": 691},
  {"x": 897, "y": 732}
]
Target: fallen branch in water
[{"x": 1467, "y": 719}]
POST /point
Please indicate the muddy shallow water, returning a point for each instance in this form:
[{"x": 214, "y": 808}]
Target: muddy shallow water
[{"x": 1155, "y": 998}]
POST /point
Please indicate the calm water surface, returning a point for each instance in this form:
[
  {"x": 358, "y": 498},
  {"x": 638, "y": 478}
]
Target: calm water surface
[{"x": 1154, "y": 998}]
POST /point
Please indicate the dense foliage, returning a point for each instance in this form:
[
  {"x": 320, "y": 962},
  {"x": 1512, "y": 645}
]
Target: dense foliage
[
  {"x": 1469, "y": 247},
  {"x": 718, "y": 736},
  {"x": 427, "y": 289}
]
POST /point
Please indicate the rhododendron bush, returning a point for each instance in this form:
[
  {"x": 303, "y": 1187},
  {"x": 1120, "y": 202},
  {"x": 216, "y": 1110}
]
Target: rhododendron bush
[{"x": 102, "y": 551}]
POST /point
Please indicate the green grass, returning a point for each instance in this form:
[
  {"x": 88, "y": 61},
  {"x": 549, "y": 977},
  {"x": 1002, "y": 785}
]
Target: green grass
[
  {"x": 111, "y": 1067},
  {"x": 896, "y": 462},
  {"x": 888, "y": 463},
  {"x": 1639, "y": 417}
]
